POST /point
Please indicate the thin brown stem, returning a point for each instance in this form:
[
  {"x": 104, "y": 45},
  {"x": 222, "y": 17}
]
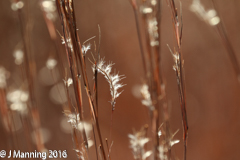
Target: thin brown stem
[
  {"x": 180, "y": 70},
  {"x": 227, "y": 44},
  {"x": 72, "y": 63},
  {"x": 29, "y": 69},
  {"x": 109, "y": 157},
  {"x": 134, "y": 5},
  {"x": 67, "y": 15}
]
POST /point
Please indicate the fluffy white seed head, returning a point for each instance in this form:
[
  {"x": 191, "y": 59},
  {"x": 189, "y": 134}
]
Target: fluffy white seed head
[
  {"x": 51, "y": 63},
  {"x": 17, "y": 5},
  {"x": 73, "y": 119},
  {"x": 68, "y": 82},
  {"x": 162, "y": 152},
  {"x": 153, "y": 31},
  {"x": 112, "y": 78},
  {"x": 18, "y": 55},
  {"x": 18, "y": 100},
  {"x": 17, "y": 96},
  {"x": 49, "y": 7},
  {"x": 146, "y": 10},
  {"x": 174, "y": 142},
  {"x": 85, "y": 48},
  {"x": 137, "y": 143},
  {"x": 146, "y": 97},
  {"x": 209, "y": 16},
  {"x": 77, "y": 123}
]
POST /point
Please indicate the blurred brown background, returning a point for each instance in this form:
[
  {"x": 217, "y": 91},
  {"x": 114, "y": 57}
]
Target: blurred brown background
[{"x": 212, "y": 88}]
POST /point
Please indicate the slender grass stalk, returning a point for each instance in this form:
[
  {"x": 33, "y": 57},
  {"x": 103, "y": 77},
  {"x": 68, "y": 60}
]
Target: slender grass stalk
[
  {"x": 152, "y": 77},
  {"x": 95, "y": 142},
  {"x": 74, "y": 130},
  {"x": 66, "y": 12},
  {"x": 135, "y": 10},
  {"x": 178, "y": 67},
  {"x": 72, "y": 64},
  {"x": 29, "y": 63},
  {"x": 163, "y": 96},
  {"x": 227, "y": 44},
  {"x": 25, "y": 122},
  {"x": 151, "y": 18},
  {"x": 96, "y": 72},
  {"x": 108, "y": 149},
  {"x": 5, "y": 118}
]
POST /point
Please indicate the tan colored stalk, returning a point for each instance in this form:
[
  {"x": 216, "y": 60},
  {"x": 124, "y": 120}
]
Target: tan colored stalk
[
  {"x": 178, "y": 58},
  {"x": 73, "y": 67},
  {"x": 227, "y": 44},
  {"x": 154, "y": 73},
  {"x": 66, "y": 12},
  {"x": 29, "y": 69}
]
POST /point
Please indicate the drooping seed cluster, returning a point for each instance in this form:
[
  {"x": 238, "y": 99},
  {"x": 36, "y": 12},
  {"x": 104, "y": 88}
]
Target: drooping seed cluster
[
  {"x": 112, "y": 78},
  {"x": 137, "y": 143},
  {"x": 146, "y": 97}
]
